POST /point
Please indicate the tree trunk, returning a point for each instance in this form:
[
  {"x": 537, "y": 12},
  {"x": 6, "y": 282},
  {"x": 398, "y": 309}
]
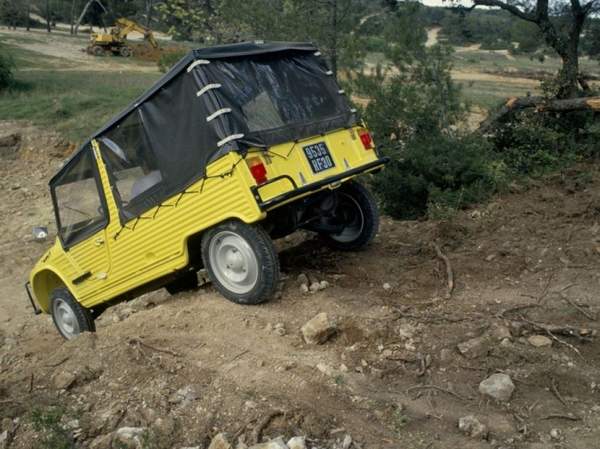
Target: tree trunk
[
  {"x": 149, "y": 9},
  {"x": 48, "y": 26},
  {"x": 72, "y": 18},
  {"x": 82, "y": 15},
  {"x": 541, "y": 104},
  {"x": 334, "y": 37},
  {"x": 28, "y": 20}
]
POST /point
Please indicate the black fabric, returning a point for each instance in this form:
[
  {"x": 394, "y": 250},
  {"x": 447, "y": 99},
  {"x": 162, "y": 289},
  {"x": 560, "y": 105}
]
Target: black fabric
[{"x": 269, "y": 93}]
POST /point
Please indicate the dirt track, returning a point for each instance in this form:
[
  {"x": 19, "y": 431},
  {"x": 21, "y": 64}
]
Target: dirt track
[{"x": 391, "y": 377}]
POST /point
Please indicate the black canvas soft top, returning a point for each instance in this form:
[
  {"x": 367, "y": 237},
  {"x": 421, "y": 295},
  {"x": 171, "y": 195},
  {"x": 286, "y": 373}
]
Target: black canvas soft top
[{"x": 221, "y": 99}]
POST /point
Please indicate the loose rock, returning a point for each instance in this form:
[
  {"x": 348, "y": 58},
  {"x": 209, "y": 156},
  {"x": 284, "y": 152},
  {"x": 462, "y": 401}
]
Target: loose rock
[
  {"x": 471, "y": 426},
  {"x": 184, "y": 396},
  {"x": 297, "y": 443},
  {"x": 497, "y": 386},
  {"x": 539, "y": 341},
  {"x": 315, "y": 287},
  {"x": 473, "y": 348},
  {"x": 129, "y": 437},
  {"x": 219, "y": 442},
  {"x": 318, "y": 330},
  {"x": 277, "y": 443},
  {"x": 64, "y": 379}
]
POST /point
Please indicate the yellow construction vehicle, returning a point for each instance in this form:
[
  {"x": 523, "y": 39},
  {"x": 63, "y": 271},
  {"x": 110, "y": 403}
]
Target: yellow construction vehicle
[{"x": 115, "y": 42}]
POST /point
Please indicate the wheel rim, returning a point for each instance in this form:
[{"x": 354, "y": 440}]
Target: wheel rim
[
  {"x": 233, "y": 262},
  {"x": 351, "y": 213},
  {"x": 65, "y": 318}
]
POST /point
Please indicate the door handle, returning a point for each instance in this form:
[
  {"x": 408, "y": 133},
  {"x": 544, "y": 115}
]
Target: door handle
[{"x": 99, "y": 242}]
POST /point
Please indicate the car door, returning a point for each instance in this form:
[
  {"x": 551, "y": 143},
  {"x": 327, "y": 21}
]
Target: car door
[{"x": 82, "y": 217}]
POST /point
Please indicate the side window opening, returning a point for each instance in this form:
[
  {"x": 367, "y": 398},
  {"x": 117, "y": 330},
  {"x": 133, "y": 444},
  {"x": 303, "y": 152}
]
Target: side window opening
[
  {"x": 77, "y": 197},
  {"x": 132, "y": 164},
  {"x": 132, "y": 173}
]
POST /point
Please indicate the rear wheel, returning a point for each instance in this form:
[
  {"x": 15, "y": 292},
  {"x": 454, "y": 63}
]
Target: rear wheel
[
  {"x": 70, "y": 318},
  {"x": 241, "y": 262},
  {"x": 357, "y": 210}
]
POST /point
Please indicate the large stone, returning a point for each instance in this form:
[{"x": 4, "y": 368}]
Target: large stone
[
  {"x": 497, "y": 386},
  {"x": 184, "y": 396},
  {"x": 129, "y": 438},
  {"x": 64, "y": 380},
  {"x": 219, "y": 441},
  {"x": 102, "y": 442},
  {"x": 471, "y": 426},
  {"x": 277, "y": 443},
  {"x": 297, "y": 443},
  {"x": 4, "y": 439},
  {"x": 318, "y": 330},
  {"x": 539, "y": 341},
  {"x": 473, "y": 348}
]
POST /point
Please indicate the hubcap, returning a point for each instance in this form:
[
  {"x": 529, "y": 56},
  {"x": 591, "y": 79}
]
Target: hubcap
[
  {"x": 350, "y": 212},
  {"x": 65, "y": 318},
  {"x": 233, "y": 262}
]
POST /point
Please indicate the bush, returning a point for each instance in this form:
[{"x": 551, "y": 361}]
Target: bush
[
  {"x": 437, "y": 175},
  {"x": 6, "y": 71},
  {"x": 414, "y": 117},
  {"x": 532, "y": 143},
  {"x": 169, "y": 57}
]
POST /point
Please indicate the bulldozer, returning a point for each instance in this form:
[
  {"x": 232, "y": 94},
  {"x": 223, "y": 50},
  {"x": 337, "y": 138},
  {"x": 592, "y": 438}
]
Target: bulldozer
[{"x": 115, "y": 42}]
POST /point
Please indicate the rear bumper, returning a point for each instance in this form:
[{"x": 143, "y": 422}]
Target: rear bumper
[
  {"x": 36, "y": 310},
  {"x": 297, "y": 191}
]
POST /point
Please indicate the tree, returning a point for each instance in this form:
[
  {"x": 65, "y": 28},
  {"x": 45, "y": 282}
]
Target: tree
[{"x": 561, "y": 26}]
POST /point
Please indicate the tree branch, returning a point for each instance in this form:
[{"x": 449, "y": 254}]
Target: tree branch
[{"x": 507, "y": 7}]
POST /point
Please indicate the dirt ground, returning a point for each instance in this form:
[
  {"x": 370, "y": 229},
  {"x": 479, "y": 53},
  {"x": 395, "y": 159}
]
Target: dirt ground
[{"x": 392, "y": 376}]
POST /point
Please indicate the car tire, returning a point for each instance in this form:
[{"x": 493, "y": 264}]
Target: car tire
[
  {"x": 241, "y": 262},
  {"x": 185, "y": 282},
  {"x": 98, "y": 51},
  {"x": 356, "y": 206},
  {"x": 69, "y": 317}
]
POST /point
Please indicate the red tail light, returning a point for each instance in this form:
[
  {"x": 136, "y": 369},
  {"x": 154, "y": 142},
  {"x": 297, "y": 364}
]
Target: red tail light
[
  {"x": 258, "y": 170},
  {"x": 365, "y": 138}
]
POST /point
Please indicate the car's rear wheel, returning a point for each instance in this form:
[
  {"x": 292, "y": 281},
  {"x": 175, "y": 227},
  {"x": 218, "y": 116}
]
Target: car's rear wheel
[
  {"x": 241, "y": 262},
  {"x": 98, "y": 51},
  {"x": 357, "y": 210},
  {"x": 70, "y": 318}
]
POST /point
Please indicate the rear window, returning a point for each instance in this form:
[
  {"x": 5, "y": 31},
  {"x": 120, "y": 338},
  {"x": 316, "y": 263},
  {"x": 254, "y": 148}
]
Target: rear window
[{"x": 272, "y": 92}]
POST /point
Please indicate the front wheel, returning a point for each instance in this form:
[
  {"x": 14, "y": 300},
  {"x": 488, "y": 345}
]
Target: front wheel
[
  {"x": 70, "y": 318},
  {"x": 241, "y": 262},
  {"x": 357, "y": 210}
]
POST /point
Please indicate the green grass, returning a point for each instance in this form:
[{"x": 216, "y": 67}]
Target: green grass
[
  {"x": 490, "y": 94},
  {"x": 71, "y": 102}
]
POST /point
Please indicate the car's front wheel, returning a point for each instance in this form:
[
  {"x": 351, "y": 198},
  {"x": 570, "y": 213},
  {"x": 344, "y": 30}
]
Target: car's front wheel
[
  {"x": 357, "y": 211},
  {"x": 241, "y": 262},
  {"x": 70, "y": 318}
]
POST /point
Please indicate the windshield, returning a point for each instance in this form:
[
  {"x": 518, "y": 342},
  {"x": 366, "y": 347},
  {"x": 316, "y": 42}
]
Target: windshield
[{"x": 270, "y": 92}]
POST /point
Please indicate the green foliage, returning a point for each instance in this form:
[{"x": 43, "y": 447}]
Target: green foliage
[
  {"x": 414, "y": 113},
  {"x": 168, "y": 59},
  {"x": 6, "y": 71},
  {"x": 47, "y": 421},
  {"x": 437, "y": 175},
  {"x": 533, "y": 144}
]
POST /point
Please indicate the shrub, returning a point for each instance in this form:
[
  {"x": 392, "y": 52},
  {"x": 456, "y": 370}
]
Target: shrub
[
  {"x": 414, "y": 116},
  {"x": 437, "y": 175},
  {"x": 6, "y": 71},
  {"x": 169, "y": 57}
]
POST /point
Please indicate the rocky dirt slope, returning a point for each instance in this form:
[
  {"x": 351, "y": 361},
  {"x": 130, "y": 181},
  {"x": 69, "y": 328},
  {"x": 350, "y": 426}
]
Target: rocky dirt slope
[{"x": 509, "y": 360}]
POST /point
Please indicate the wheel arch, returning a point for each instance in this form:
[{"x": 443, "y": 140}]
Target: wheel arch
[{"x": 43, "y": 284}]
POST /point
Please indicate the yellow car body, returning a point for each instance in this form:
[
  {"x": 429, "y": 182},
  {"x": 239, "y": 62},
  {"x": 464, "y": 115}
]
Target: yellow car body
[
  {"x": 202, "y": 174},
  {"x": 120, "y": 260}
]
